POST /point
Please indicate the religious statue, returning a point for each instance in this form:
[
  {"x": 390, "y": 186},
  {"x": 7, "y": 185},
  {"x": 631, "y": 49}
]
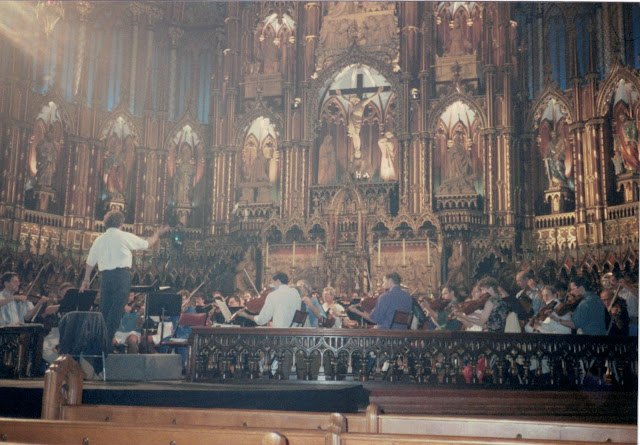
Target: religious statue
[
  {"x": 555, "y": 162},
  {"x": 241, "y": 282},
  {"x": 183, "y": 179},
  {"x": 356, "y": 115},
  {"x": 459, "y": 43},
  {"x": 457, "y": 266},
  {"x": 259, "y": 169},
  {"x": 388, "y": 145},
  {"x": 114, "y": 175},
  {"x": 270, "y": 52},
  {"x": 626, "y": 139},
  {"x": 327, "y": 161},
  {"x": 46, "y": 154}
]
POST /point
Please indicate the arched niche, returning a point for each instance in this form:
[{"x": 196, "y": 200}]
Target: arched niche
[
  {"x": 356, "y": 137},
  {"x": 185, "y": 171},
  {"x": 259, "y": 166}
]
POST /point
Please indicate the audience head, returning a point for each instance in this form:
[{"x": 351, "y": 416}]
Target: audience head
[{"x": 114, "y": 218}]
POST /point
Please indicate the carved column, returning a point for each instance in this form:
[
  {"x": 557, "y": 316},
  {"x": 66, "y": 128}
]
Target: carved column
[
  {"x": 135, "y": 15},
  {"x": 80, "y": 79},
  {"x": 174, "y": 34},
  {"x": 311, "y": 30}
]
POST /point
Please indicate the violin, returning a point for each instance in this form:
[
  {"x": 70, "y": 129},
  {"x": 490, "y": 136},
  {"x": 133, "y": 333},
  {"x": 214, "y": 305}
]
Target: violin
[
  {"x": 568, "y": 306},
  {"x": 470, "y": 306},
  {"x": 435, "y": 304},
  {"x": 256, "y": 304},
  {"x": 543, "y": 313}
]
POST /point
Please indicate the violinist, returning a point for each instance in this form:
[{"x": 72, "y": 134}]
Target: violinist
[
  {"x": 394, "y": 299},
  {"x": 588, "y": 316},
  {"x": 630, "y": 295},
  {"x": 440, "y": 309},
  {"x": 617, "y": 315},
  {"x": 530, "y": 294},
  {"x": 336, "y": 315},
  {"x": 542, "y": 322},
  {"x": 311, "y": 304},
  {"x": 128, "y": 333},
  {"x": 494, "y": 313},
  {"x": 50, "y": 317},
  {"x": 280, "y": 304},
  {"x": 15, "y": 308}
]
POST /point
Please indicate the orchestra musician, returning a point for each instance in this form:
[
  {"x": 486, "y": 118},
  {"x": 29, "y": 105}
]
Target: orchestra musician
[
  {"x": 588, "y": 316},
  {"x": 440, "y": 309},
  {"x": 394, "y": 299},
  {"x": 494, "y": 313},
  {"x": 111, "y": 251},
  {"x": 336, "y": 315},
  {"x": 543, "y": 323},
  {"x": 311, "y": 305},
  {"x": 280, "y": 304},
  {"x": 14, "y": 307},
  {"x": 617, "y": 315}
]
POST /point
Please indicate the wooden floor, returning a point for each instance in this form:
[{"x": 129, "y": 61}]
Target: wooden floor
[{"x": 23, "y": 398}]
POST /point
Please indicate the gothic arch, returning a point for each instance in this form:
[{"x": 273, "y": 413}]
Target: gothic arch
[
  {"x": 341, "y": 195},
  {"x": 108, "y": 121},
  {"x": 68, "y": 124},
  {"x": 441, "y": 107},
  {"x": 541, "y": 104},
  {"x": 259, "y": 110},
  {"x": 618, "y": 73},
  {"x": 355, "y": 55},
  {"x": 186, "y": 120}
]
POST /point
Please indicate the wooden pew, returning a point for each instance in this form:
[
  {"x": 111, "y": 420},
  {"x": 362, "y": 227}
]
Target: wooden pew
[
  {"x": 70, "y": 408},
  {"x": 375, "y": 422},
  {"x": 56, "y": 432},
  {"x": 105, "y": 433}
]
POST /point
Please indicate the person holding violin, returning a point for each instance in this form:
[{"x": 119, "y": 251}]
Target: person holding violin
[
  {"x": 336, "y": 315},
  {"x": 280, "y": 304},
  {"x": 439, "y": 310},
  {"x": 617, "y": 315},
  {"x": 311, "y": 304},
  {"x": 494, "y": 313},
  {"x": 15, "y": 308},
  {"x": 588, "y": 316},
  {"x": 111, "y": 251},
  {"x": 394, "y": 299},
  {"x": 543, "y": 323}
]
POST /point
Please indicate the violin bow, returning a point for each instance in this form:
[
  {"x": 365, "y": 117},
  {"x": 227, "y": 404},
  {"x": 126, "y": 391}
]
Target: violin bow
[
  {"x": 613, "y": 300},
  {"x": 251, "y": 281},
  {"x": 33, "y": 317}
]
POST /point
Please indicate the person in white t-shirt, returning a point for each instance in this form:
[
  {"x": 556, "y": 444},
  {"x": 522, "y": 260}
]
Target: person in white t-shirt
[
  {"x": 280, "y": 306},
  {"x": 111, "y": 251}
]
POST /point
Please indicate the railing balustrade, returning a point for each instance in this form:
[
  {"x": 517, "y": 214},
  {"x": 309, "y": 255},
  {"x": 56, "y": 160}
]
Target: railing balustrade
[{"x": 435, "y": 357}]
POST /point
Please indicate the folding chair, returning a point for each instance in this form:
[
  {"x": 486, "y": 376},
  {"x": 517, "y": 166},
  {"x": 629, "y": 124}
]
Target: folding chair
[
  {"x": 299, "y": 318},
  {"x": 186, "y": 319},
  {"x": 401, "y": 318}
]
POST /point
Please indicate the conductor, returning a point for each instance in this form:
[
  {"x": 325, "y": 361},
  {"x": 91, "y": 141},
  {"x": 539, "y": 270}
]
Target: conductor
[{"x": 111, "y": 251}]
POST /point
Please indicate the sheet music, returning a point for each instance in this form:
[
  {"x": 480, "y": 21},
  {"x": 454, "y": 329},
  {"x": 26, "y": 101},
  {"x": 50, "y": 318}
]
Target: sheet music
[{"x": 226, "y": 313}]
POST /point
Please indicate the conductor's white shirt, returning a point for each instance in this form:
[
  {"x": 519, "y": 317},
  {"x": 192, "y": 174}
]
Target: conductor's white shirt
[{"x": 112, "y": 249}]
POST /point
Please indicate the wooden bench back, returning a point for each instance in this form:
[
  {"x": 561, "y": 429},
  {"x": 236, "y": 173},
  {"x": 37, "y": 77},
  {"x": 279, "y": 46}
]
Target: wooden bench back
[{"x": 104, "y": 433}]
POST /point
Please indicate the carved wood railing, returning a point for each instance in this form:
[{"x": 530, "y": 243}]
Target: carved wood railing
[
  {"x": 435, "y": 357},
  {"x": 21, "y": 350}
]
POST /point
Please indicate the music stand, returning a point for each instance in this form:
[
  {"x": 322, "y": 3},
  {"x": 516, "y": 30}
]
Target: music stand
[
  {"x": 162, "y": 305},
  {"x": 75, "y": 301}
]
